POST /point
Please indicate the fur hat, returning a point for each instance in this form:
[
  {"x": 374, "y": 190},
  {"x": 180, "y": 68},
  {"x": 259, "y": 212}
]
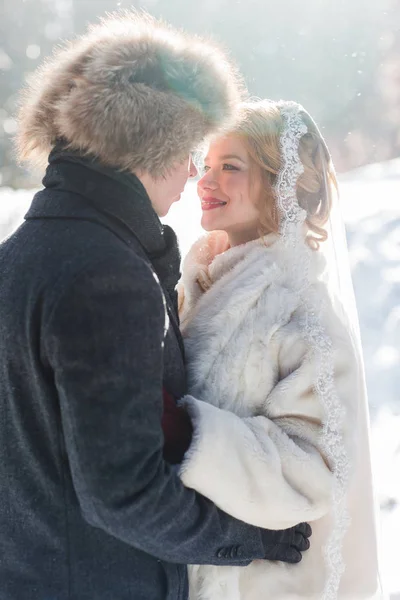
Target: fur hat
[{"x": 133, "y": 92}]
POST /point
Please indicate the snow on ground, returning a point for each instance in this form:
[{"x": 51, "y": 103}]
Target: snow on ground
[{"x": 371, "y": 207}]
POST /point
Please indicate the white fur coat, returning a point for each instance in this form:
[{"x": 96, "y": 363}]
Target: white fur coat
[{"x": 256, "y": 449}]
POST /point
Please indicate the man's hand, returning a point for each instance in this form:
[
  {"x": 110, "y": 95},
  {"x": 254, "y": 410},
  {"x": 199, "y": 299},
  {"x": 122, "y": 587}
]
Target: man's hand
[{"x": 286, "y": 545}]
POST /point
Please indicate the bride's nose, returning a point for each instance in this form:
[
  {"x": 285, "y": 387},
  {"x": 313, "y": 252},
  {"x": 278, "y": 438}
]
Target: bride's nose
[{"x": 208, "y": 181}]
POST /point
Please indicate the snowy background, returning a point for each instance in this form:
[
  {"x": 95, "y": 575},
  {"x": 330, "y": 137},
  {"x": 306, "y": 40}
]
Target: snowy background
[{"x": 371, "y": 207}]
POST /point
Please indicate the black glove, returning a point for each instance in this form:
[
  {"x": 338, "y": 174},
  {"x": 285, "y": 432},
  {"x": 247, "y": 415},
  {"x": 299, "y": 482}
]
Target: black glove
[{"x": 286, "y": 545}]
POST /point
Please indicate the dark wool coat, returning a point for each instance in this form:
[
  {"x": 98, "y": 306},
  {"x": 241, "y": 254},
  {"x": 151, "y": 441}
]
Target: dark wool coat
[{"x": 89, "y": 510}]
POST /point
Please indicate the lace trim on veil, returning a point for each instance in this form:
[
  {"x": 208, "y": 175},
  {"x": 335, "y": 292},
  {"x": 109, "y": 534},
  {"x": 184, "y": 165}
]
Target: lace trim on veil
[{"x": 293, "y": 240}]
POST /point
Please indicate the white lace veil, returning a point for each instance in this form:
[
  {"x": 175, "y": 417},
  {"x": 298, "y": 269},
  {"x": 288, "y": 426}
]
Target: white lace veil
[{"x": 337, "y": 277}]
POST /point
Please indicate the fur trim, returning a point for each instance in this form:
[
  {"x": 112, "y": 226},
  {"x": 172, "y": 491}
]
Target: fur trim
[{"x": 133, "y": 92}]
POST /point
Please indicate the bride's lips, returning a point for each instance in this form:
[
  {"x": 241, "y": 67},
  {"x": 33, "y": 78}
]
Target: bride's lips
[{"x": 209, "y": 203}]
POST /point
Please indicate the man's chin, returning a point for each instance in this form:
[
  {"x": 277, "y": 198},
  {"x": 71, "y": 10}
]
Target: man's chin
[
  {"x": 174, "y": 200},
  {"x": 165, "y": 211}
]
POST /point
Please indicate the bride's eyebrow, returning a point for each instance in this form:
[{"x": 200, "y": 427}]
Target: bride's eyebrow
[
  {"x": 227, "y": 157},
  {"x": 230, "y": 156}
]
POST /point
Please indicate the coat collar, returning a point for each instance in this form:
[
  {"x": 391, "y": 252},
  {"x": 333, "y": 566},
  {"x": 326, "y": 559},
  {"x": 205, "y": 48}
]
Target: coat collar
[
  {"x": 87, "y": 190},
  {"x": 116, "y": 194}
]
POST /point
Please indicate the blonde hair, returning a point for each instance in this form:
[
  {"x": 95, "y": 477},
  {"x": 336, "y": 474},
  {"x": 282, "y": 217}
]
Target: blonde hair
[{"x": 259, "y": 126}]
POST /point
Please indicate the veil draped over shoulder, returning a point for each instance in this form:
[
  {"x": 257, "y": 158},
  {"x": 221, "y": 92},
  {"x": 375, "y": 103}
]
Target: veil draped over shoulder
[{"x": 336, "y": 275}]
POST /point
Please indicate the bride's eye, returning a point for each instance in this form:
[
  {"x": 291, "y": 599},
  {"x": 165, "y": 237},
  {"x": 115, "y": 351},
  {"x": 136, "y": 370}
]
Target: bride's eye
[
  {"x": 228, "y": 167},
  {"x": 205, "y": 168}
]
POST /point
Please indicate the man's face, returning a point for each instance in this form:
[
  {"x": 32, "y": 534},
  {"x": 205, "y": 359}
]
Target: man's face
[{"x": 164, "y": 191}]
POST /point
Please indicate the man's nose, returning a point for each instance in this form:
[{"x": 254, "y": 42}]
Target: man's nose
[{"x": 192, "y": 168}]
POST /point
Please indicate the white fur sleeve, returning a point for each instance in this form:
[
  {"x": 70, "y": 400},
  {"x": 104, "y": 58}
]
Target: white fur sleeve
[
  {"x": 253, "y": 470},
  {"x": 270, "y": 470}
]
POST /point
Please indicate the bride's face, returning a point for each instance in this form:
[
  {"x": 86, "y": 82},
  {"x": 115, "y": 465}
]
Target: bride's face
[{"x": 228, "y": 196}]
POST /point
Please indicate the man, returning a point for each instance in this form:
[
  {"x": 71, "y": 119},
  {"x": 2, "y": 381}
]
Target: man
[{"x": 89, "y": 508}]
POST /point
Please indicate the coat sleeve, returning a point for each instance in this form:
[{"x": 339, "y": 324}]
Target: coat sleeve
[
  {"x": 270, "y": 470},
  {"x": 103, "y": 339}
]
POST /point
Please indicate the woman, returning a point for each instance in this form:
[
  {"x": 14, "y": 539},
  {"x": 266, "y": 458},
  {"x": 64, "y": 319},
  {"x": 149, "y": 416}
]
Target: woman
[
  {"x": 274, "y": 367},
  {"x": 89, "y": 509}
]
